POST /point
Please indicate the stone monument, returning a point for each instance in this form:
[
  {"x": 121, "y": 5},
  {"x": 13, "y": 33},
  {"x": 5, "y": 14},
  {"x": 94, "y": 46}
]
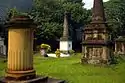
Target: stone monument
[
  {"x": 96, "y": 45},
  {"x": 2, "y": 47},
  {"x": 20, "y": 44},
  {"x": 65, "y": 41},
  {"x": 120, "y": 45},
  {"x": 20, "y": 53}
]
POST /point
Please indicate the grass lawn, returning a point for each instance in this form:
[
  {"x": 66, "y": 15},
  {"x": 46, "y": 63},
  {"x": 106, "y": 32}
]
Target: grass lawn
[{"x": 73, "y": 71}]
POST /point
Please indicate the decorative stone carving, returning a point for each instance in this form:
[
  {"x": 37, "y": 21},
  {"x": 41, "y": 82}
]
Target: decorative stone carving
[
  {"x": 99, "y": 43},
  {"x": 120, "y": 45}
]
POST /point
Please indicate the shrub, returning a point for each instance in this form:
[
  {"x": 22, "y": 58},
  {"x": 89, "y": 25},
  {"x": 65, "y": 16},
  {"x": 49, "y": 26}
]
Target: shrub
[
  {"x": 70, "y": 52},
  {"x": 57, "y": 52},
  {"x": 45, "y": 46}
]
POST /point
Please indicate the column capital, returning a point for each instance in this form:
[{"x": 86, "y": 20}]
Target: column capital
[{"x": 20, "y": 22}]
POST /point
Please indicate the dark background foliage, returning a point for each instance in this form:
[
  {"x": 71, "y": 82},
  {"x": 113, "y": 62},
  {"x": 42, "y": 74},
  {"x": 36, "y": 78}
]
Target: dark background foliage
[{"x": 48, "y": 14}]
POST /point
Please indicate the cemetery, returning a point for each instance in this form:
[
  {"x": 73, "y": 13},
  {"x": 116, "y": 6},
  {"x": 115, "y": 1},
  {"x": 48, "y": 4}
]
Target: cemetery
[{"x": 60, "y": 41}]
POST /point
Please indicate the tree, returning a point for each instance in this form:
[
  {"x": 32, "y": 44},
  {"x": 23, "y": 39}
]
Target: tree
[
  {"x": 115, "y": 13},
  {"x": 49, "y": 15}
]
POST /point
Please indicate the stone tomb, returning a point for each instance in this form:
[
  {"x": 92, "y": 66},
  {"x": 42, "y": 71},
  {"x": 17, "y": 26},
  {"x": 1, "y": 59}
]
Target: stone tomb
[
  {"x": 120, "y": 45},
  {"x": 2, "y": 47},
  {"x": 65, "y": 41},
  {"x": 97, "y": 43},
  {"x": 20, "y": 53}
]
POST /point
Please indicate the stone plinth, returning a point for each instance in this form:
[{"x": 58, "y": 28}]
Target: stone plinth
[
  {"x": 38, "y": 79},
  {"x": 97, "y": 44},
  {"x": 20, "y": 49},
  {"x": 120, "y": 45},
  {"x": 65, "y": 45},
  {"x": 2, "y": 47}
]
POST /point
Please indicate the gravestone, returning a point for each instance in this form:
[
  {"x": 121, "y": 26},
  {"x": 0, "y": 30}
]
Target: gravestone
[
  {"x": 120, "y": 45},
  {"x": 65, "y": 41},
  {"x": 2, "y": 47},
  {"x": 96, "y": 45}
]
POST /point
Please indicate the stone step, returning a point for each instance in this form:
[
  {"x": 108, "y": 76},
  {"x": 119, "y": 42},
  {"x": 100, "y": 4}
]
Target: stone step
[
  {"x": 38, "y": 80},
  {"x": 51, "y": 80},
  {"x": 35, "y": 80}
]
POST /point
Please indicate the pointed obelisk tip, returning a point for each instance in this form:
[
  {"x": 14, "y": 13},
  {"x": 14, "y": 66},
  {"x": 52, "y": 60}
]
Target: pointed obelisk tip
[
  {"x": 66, "y": 13},
  {"x": 65, "y": 27},
  {"x": 98, "y": 11}
]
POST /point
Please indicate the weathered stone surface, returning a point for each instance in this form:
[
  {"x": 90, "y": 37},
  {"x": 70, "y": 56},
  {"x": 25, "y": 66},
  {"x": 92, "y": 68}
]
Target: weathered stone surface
[
  {"x": 38, "y": 79},
  {"x": 120, "y": 45},
  {"x": 65, "y": 40},
  {"x": 20, "y": 45},
  {"x": 96, "y": 40},
  {"x": 98, "y": 12},
  {"x": 35, "y": 80},
  {"x": 65, "y": 36},
  {"x": 51, "y": 80}
]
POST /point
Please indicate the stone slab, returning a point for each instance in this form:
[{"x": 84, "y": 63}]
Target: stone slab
[
  {"x": 35, "y": 80},
  {"x": 51, "y": 80}
]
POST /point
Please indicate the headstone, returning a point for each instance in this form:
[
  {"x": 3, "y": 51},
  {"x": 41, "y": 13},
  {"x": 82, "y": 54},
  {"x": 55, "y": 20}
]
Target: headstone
[
  {"x": 2, "y": 47},
  {"x": 96, "y": 45},
  {"x": 65, "y": 41},
  {"x": 120, "y": 45}
]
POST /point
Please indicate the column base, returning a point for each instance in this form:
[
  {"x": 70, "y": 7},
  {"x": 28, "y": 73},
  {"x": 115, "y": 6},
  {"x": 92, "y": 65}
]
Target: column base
[
  {"x": 38, "y": 79},
  {"x": 95, "y": 62},
  {"x": 20, "y": 75},
  {"x": 84, "y": 60}
]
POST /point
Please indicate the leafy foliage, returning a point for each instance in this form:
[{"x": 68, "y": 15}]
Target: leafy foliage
[
  {"x": 45, "y": 46},
  {"x": 49, "y": 16},
  {"x": 14, "y": 12},
  {"x": 115, "y": 12}
]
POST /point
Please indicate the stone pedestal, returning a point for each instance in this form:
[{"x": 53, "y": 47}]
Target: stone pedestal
[
  {"x": 65, "y": 45},
  {"x": 20, "y": 49},
  {"x": 97, "y": 44},
  {"x": 120, "y": 46},
  {"x": 43, "y": 52},
  {"x": 2, "y": 47}
]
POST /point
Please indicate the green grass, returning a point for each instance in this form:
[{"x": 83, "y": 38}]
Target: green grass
[
  {"x": 2, "y": 67},
  {"x": 71, "y": 70}
]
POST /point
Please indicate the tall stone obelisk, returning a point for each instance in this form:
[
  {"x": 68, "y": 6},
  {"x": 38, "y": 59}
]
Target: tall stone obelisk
[
  {"x": 65, "y": 41},
  {"x": 96, "y": 43}
]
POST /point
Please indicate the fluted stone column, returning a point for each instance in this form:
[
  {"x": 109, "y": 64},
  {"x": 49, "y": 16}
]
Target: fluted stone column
[{"x": 20, "y": 48}]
